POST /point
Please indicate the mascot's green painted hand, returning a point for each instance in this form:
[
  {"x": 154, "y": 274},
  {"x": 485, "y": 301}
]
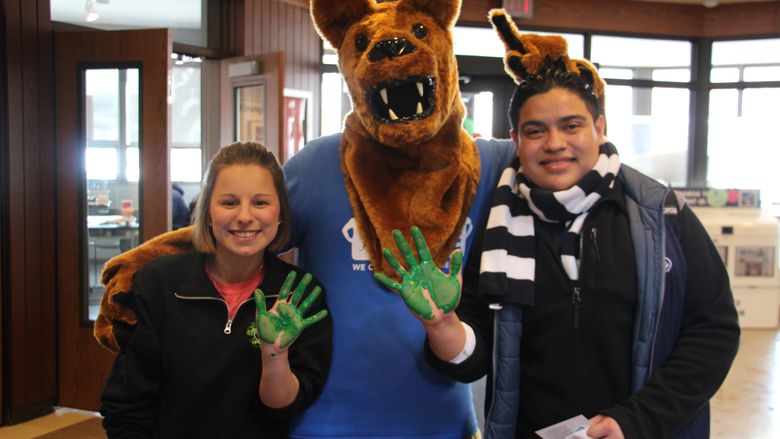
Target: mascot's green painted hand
[
  {"x": 284, "y": 322},
  {"x": 423, "y": 277}
]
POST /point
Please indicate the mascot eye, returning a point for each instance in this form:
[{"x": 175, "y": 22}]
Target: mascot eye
[
  {"x": 419, "y": 31},
  {"x": 361, "y": 42}
]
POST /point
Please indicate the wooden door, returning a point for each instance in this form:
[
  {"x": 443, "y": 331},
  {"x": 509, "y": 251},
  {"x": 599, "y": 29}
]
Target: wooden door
[
  {"x": 252, "y": 96},
  {"x": 145, "y": 56}
]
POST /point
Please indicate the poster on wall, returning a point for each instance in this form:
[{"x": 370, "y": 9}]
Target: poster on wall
[
  {"x": 755, "y": 261},
  {"x": 715, "y": 197},
  {"x": 297, "y": 121}
]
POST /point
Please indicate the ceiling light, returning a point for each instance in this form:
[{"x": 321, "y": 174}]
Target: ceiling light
[{"x": 91, "y": 13}]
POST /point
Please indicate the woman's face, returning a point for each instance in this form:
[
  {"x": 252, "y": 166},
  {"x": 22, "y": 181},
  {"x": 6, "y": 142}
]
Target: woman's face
[
  {"x": 557, "y": 139},
  {"x": 244, "y": 210}
]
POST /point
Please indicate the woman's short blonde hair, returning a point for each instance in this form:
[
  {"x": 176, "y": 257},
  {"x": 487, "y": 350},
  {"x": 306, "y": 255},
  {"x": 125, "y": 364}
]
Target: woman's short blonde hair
[{"x": 239, "y": 153}]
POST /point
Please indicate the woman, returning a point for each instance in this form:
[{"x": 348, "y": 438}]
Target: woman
[{"x": 188, "y": 369}]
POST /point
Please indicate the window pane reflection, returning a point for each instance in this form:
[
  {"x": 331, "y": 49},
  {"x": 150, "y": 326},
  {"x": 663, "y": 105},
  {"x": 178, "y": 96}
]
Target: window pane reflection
[
  {"x": 644, "y": 56},
  {"x": 724, "y": 74},
  {"x": 132, "y": 101},
  {"x": 101, "y": 163},
  {"x": 759, "y": 51},
  {"x": 102, "y": 105},
  {"x": 743, "y": 152},
  {"x": 110, "y": 113},
  {"x": 756, "y": 74},
  {"x": 185, "y": 105},
  {"x": 250, "y": 113},
  {"x": 188, "y": 168},
  {"x": 649, "y": 127},
  {"x": 132, "y": 165}
]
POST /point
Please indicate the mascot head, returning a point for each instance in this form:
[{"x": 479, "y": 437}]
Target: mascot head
[
  {"x": 397, "y": 60},
  {"x": 527, "y": 54}
]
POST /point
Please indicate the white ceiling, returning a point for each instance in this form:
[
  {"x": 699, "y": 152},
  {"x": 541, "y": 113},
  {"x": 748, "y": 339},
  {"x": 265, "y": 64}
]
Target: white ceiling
[
  {"x": 187, "y": 13},
  {"x": 131, "y": 13}
]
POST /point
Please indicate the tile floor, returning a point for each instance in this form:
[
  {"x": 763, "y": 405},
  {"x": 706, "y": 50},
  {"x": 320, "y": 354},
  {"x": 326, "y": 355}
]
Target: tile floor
[{"x": 747, "y": 406}]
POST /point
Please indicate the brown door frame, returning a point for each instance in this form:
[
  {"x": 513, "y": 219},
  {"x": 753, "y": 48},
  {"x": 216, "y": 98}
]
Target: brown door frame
[
  {"x": 270, "y": 71},
  {"x": 83, "y": 364}
]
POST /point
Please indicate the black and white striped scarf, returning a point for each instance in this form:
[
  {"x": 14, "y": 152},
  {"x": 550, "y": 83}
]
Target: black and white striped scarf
[{"x": 509, "y": 253}]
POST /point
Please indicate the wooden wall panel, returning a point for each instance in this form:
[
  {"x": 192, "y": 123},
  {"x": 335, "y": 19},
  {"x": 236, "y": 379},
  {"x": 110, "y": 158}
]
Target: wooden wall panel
[
  {"x": 734, "y": 20},
  {"x": 285, "y": 26},
  {"x": 30, "y": 295},
  {"x": 641, "y": 17},
  {"x": 3, "y": 195}
]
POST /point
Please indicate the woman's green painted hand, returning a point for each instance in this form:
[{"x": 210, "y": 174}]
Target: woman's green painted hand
[
  {"x": 284, "y": 322},
  {"x": 423, "y": 285}
]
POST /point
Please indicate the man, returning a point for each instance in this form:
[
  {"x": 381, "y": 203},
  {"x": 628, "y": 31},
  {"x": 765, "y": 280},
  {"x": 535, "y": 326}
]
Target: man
[{"x": 603, "y": 304}]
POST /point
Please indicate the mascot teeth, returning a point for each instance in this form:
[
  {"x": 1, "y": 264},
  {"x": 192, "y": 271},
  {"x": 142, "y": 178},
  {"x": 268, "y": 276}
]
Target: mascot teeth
[{"x": 403, "y": 100}]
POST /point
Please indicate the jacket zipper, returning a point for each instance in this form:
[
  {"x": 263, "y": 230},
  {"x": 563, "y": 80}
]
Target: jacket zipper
[
  {"x": 576, "y": 291},
  {"x": 576, "y": 298},
  {"x": 229, "y": 324},
  {"x": 496, "y": 308},
  {"x": 593, "y": 236}
]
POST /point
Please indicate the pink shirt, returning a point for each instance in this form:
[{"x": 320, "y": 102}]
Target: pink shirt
[{"x": 235, "y": 294}]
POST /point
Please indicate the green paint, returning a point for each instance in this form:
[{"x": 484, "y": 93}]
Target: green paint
[
  {"x": 444, "y": 289},
  {"x": 285, "y": 321}
]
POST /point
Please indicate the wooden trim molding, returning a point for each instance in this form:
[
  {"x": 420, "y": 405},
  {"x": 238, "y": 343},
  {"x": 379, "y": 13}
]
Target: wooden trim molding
[{"x": 641, "y": 17}]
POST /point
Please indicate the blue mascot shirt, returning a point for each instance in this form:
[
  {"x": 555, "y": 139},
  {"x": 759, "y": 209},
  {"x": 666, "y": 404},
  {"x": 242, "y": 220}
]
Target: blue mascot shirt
[{"x": 380, "y": 385}]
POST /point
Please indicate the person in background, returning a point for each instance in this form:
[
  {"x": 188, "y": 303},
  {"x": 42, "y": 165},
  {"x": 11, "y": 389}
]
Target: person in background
[
  {"x": 608, "y": 299},
  {"x": 189, "y": 367},
  {"x": 180, "y": 212}
]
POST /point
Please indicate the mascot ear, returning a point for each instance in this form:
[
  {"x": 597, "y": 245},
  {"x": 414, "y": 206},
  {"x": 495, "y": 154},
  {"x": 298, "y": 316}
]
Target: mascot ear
[
  {"x": 445, "y": 12},
  {"x": 332, "y": 18}
]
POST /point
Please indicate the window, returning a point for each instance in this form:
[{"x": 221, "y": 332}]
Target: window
[
  {"x": 647, "y": 115},
  {"x": 185, "y": 119},
  {"x": 742, "y": 149},
  {"x": 333, "y": 107},
  {"x": 483, "y": 41},
  {"x": 111, "y": 125},
  {"x": 646, "y": 58}
]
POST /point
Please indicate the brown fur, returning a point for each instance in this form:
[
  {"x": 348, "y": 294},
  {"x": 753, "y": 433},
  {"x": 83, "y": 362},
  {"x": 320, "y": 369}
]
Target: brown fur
[
  {"x": 536, "y": 49},
  {"x": 118, "y": 279},
  {"x": 420, "y": 172}
]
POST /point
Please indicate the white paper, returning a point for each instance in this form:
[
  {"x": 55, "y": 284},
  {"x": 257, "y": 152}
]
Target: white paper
[{"x": 572, "y": 428}]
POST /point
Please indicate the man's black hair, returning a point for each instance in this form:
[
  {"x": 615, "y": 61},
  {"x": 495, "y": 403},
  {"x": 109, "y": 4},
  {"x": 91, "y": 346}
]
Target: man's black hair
[{"x": 552, "y": 76}]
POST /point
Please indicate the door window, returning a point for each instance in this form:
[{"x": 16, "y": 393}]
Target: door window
[{"x": 109, "y": 114}]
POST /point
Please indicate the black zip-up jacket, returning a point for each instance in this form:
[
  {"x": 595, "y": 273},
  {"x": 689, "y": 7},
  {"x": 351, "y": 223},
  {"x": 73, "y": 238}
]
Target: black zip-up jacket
[
  {"x": 569, "y": 368},
  {"x": 185, "y": 370}
]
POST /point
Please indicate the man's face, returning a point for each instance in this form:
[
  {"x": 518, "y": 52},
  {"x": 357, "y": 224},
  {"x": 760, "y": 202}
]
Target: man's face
[{"x": 557, "y": 139}]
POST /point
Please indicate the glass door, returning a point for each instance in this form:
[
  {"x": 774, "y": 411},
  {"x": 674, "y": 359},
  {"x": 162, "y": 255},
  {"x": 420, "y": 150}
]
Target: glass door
[
  {"x": 110, "y": 113},
  {"x": 113, "y": 185}
]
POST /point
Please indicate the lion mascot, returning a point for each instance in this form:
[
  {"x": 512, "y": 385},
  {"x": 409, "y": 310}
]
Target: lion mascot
[{"x": 402, "y": 160}]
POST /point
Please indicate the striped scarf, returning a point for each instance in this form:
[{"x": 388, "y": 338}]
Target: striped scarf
[{"x": 508, "y": 261}]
